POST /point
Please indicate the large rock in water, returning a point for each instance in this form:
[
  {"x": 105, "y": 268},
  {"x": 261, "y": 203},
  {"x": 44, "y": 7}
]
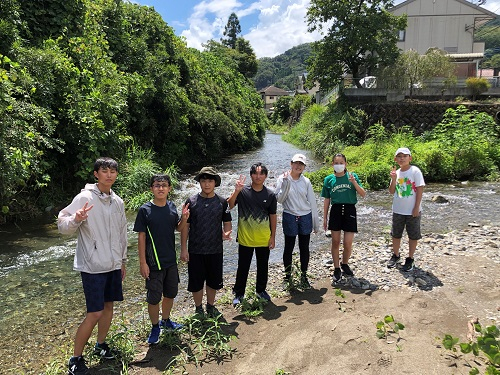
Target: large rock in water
[{"x": 439, "y": 199}]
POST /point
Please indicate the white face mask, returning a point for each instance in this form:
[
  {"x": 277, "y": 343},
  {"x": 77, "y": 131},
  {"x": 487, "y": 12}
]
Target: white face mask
[{"x": 339, "y": 167}]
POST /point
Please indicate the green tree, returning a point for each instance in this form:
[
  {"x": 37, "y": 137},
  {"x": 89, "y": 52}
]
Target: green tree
[
  {"x": 231, "y": 31},
  {"x": 9, "y": 19},
  {"x": 360, "y": 36},
  {"x": 282, "y": 111},
  {"x": 412, "y": 70},
  {"x": 26, "y": 136},
  {"x": 247, "y": 61},
  {"x": 242, "y": 58},
  {"x": 493, "y": 63},
  {"x": 477, "y": 86}
]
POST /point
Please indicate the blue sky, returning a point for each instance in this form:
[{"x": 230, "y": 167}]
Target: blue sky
[{"x": 271, "y": 26}]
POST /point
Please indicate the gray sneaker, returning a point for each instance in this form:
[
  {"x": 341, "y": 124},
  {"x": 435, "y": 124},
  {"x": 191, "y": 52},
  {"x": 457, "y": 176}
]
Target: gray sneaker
[{"x": 395, "y": 259}]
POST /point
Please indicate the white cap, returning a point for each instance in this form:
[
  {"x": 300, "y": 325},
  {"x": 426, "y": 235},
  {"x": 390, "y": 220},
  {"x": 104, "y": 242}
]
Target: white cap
[
  {"x": 299, "y": 157},
  {"x": 403, "y": 150}
]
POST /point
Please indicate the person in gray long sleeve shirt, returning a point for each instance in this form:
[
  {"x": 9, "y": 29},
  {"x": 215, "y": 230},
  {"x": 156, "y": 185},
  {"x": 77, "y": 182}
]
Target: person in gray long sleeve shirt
[
  {"x": 97, "y": 215},
  {"x": 300, "y": 215}
]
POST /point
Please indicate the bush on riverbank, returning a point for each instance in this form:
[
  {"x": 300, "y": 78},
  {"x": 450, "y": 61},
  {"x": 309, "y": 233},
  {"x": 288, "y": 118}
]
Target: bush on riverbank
[
  {"x": 465, "y": 145},
  {"x": 87, "y": 78}
]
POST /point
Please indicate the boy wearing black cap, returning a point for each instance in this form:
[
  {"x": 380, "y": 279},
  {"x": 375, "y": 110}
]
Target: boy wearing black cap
[
  {"x": 208, "y": 225},
  {"x": 407, "y": 187}
]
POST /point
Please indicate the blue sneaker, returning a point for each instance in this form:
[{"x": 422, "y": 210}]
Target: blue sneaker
[
  {"x": 170, "y": 324},
  {"x": 237, "y": 300},
  {"x": 264, "y": 295},
  {"x": 154, "y": 336}
]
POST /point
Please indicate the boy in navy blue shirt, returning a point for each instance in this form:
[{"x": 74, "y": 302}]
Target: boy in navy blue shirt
[{"x": 155, "y": 223}]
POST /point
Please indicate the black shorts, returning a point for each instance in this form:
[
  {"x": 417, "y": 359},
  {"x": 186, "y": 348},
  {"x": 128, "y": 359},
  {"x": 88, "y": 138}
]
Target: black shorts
[
  {"x": 164, "y": 282},
  {"x": 205, "y": 267},
  {"x": 100, "y": 288},
  {"x": 412, "y": 224},
  {"x": 343, "y": 217}
]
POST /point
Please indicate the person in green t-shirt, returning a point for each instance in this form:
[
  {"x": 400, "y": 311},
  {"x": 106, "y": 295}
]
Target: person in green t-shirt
[{"x": 340, "y": 189}]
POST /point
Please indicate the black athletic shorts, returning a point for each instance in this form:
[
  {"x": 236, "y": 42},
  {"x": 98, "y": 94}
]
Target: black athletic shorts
[{"x": 343, "y": 217}]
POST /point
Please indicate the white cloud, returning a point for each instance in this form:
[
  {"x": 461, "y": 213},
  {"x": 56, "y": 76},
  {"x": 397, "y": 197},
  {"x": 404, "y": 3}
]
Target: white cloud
[
  {"x": 277, "y": 25},
  {"x": 281, "y": 26}
]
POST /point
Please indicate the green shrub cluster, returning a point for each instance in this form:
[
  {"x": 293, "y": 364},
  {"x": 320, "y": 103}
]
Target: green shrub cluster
[
  {"x": 465, "y": 145},
  {"x": 88, "y": 78}
]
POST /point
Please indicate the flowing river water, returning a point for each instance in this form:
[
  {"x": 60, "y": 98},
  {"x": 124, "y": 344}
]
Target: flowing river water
[{"x": 40, "y": 294}]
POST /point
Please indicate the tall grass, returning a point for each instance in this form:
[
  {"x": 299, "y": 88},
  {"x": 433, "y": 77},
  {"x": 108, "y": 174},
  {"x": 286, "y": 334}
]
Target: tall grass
[
  {"x": 465, "y": 145},
  {"x": 135, "y": 173}
]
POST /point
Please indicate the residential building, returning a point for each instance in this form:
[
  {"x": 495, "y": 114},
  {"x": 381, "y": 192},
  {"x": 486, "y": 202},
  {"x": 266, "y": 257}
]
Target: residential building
[
  {"x": 270, "y": 96},
  {"x": 449, "y": 25}
]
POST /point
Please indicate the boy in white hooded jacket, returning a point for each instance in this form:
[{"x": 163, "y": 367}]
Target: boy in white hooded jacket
[{"x": 97, "y": 215}]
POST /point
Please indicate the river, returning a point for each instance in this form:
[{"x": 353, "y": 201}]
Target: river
[{"x": 41, "y": 295}]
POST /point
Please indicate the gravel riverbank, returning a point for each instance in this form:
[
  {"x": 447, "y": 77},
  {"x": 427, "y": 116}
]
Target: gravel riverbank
[{"x": 466, "y": 261}]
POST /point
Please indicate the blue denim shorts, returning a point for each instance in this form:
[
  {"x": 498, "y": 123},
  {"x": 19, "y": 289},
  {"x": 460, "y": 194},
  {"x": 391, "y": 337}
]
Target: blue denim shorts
[
  {"x": 294, "y": 225},
  {"x": 100, "y": 288}
]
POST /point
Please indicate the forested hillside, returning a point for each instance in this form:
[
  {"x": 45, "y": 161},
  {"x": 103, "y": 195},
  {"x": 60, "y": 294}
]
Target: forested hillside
[
  {"x": 282, "y": 70},
  {"x": 86, "y": 78}
]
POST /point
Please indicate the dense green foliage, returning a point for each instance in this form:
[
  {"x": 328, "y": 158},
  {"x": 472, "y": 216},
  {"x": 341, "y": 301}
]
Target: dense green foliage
[
  {"x": 358, "y": 36},
  {"x": 283, "y": 70},
  {"x": 465, "y": 145},
  {"x": 87, "y": 78}
]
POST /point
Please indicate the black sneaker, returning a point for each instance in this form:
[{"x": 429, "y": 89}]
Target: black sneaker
[
  {"x": 199, "y": 311},
  {"x": 212, "y": 311},
  {"x": 409, "y": 263},
  {"x": 77, "y": 366},
  {"x": 104, "y": 351},
  {"x": 347, "y": 270},
  {"x": 395, "y": 259},
  {"x": 337, "y": 275}
]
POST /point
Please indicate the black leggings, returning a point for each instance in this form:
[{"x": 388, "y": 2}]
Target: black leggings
[{"x": 304, "y": 253}]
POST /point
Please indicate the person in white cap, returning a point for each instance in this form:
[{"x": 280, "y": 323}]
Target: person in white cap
[
  {"x": 407, "y": 187},
  {"x": 300, "y": 215}
]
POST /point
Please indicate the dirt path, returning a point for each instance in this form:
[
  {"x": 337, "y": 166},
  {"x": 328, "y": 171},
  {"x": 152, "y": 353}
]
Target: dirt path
[{"x": 306, "y": 333}]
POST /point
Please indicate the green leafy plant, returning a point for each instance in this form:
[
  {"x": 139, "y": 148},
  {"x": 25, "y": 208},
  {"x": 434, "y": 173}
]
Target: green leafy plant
[
  {"x": 202, "y": 338},
  {"x": 295, "y": 281},
  {"x": 252, "y": 305},
  {"x": 340, "y": 303},
  {"x": 487, "y": 342},
  {"x": 387, "y": 327},
  {"x": 121, "y": 338},
  {"x": 280, "y": 371}
]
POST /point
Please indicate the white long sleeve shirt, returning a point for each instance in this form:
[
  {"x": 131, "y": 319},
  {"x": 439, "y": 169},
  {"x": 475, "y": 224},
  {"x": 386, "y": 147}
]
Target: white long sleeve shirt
[{"x": 297, "y": 197}]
